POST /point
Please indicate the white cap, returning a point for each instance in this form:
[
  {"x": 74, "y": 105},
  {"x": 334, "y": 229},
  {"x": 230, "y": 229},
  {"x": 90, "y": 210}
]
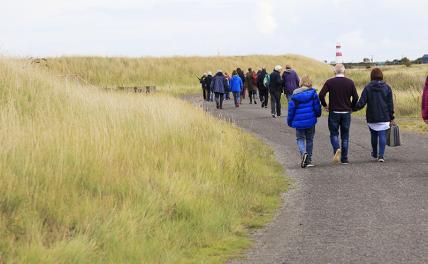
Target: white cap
[
  {"x": 219, "y": 71},
  {"x": 210, "y": 73},
  {"x": 278, "y": 68}
]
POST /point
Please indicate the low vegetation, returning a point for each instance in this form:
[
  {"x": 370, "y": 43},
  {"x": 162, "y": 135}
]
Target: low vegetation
[{"x": 95, "y": 177}]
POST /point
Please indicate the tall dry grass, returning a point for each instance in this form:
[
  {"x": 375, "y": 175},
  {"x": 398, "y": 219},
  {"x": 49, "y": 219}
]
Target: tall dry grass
[
  {"x": 175, "y": 75},
  {"x": 93, "y": 177}
]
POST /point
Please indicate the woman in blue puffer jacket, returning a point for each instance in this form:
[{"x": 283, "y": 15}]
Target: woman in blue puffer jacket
[
  {"x": 303, "y": 110},
  {"x": 236, "y": 87}
]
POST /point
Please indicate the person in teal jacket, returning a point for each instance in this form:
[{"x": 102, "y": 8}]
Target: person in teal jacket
[
  {"x": 236, "y": 87},
  {"x": 304, "y": 108}
]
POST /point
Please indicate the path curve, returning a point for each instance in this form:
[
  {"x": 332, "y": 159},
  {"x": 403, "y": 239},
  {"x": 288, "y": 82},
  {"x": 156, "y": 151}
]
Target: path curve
[{"x": 365, "y": 212}]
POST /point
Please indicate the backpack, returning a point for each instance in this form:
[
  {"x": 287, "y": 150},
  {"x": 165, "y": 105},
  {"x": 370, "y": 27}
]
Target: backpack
[{"x": 266, "y": 80}]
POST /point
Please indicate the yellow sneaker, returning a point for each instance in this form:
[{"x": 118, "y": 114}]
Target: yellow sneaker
[{"x": 336, "y": 158}]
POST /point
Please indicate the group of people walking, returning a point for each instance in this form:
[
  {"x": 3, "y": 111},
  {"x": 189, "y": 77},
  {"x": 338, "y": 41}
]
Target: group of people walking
[
  {"x": 218, "y": 87},
  {"x": 305, "y": 105}
]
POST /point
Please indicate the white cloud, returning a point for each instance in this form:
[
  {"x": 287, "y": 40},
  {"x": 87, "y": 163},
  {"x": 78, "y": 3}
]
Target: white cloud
[
  {"x": 267, "y": 22},
  {"x": 388, "y": 29}
]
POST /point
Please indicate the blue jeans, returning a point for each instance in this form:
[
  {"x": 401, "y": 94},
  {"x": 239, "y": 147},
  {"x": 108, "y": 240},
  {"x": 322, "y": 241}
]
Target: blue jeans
[
  {"x": 237, "y": 98},
  {"x": 378, "y": 136},
  {"x": 340, "y": 122},
  {"x": 305, "y": 136}
]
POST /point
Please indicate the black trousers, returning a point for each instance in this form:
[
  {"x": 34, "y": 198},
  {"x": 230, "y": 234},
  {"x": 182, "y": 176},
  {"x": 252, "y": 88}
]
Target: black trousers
[
  {"x": 275, "y": 102},
  {"x": 264, "y": 97},
  {"x": 252, "y": 95},
  {"x": 219, "y": 97},
  {"x": 204, "y": 93}
]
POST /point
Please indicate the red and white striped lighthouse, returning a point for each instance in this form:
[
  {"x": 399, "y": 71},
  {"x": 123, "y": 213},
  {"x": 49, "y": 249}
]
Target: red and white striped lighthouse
[{"x": 339, "y": 55}]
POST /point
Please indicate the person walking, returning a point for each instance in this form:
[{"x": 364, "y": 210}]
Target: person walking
[
  {"x": 291, "y": 81},
  {"x": 304, "y": 107},
  {"x": 380, "y": 111},
  {"x": 341, "y": 90},
  {"x": 275, "y": 90},
  {"x": 425, "y": 102},
  {"x": 202, "y": 82},
  {"x": 263, "y": 90},
  {"x": 227, "y": 90},
  {"x": 208, "y": 81},
  {"x": 236, "y": 86},
  {"x": 218, "y": 86},
  {"x": 251, "y": 85},
  {"x": 242, "y": 76}
]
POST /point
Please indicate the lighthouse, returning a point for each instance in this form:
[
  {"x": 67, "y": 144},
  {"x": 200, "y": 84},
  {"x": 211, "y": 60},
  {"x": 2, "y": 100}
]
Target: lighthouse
[{"x": 339, "y": 55}]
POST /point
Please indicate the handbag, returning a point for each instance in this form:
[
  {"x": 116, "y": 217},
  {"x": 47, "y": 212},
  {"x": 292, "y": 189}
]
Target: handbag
[{"x": 393, "y": 139}]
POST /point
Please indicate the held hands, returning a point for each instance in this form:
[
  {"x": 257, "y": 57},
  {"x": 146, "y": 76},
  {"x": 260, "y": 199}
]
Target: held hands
[
  {"x": 326, "y": 109},
  {"x": 392, "y": 123}
]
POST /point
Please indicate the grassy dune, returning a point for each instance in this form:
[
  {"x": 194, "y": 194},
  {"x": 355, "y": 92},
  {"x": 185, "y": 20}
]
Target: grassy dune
[
  {"x": 176, "y": 74},
  {"x": 94, "y": 177}
]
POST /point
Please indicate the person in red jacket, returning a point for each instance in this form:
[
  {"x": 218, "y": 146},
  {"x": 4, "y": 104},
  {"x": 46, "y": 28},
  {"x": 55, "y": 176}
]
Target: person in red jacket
[{"x": 425, "y": 102}]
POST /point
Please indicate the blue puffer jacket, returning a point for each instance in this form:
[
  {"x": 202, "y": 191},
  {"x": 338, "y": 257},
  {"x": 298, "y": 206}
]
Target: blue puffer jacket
[
  {"x": 236, "y": 84},
  {"x": 304, "y": 108}
]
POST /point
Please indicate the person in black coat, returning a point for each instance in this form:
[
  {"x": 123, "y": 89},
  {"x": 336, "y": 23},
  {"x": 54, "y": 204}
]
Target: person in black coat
[
  {"x": 241, "y": 75},
  {"x": 208, "y": 81},
  {"x": 263, "y": 90},
  {"x": 202, "y": 82},
  {"x": 377, "y": 95},
  {"x": 275, "y": 90}
]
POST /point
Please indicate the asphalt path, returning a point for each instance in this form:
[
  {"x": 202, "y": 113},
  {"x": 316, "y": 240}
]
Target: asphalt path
[{"x": 364, "y": 212}]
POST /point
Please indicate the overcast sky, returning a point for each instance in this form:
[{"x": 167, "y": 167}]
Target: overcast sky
[{"x": 385, "y": 29}]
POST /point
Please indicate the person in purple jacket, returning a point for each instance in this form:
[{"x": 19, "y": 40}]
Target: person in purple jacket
[{"x": 291, "y": 81}]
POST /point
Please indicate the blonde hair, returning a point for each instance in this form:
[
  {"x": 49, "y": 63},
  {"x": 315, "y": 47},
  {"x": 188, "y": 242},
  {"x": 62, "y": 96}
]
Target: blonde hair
[{"x": 306, "y": 81}]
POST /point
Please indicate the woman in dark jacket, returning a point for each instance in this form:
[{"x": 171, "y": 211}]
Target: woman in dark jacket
[
  {"x": 380, "y": 111},
  {"x": 250, "y": 82},
  {"x": 425, "y": 102}
]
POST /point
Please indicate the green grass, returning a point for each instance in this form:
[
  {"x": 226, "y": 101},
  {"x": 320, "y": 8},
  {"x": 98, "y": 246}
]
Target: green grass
[{"x": 95, "y": 177}]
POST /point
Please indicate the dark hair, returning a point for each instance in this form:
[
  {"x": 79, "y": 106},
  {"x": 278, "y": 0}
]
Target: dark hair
[
  {"x": 376, "y": 75},
  {"x": 234, "y": 73},
  {"x": 249, "y": 69}
]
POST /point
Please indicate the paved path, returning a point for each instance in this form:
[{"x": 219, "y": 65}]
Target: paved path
[{"x": 365, "y": 212}]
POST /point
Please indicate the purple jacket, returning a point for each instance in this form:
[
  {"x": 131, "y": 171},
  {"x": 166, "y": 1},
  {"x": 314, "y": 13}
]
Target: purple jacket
[
  {"x": 425, "y": 102},
  {"x": 291, "y": 81}
]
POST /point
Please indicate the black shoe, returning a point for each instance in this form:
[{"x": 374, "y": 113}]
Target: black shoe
[
  {"x": 374, "y": 155},
  {"x": 303, "y": 164},
  {"x": 344, "y": 162},
  {"x": 255, "y": 102},
  {"x": 381, "y": 159},
  {"x": 273, "y": 115}
]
